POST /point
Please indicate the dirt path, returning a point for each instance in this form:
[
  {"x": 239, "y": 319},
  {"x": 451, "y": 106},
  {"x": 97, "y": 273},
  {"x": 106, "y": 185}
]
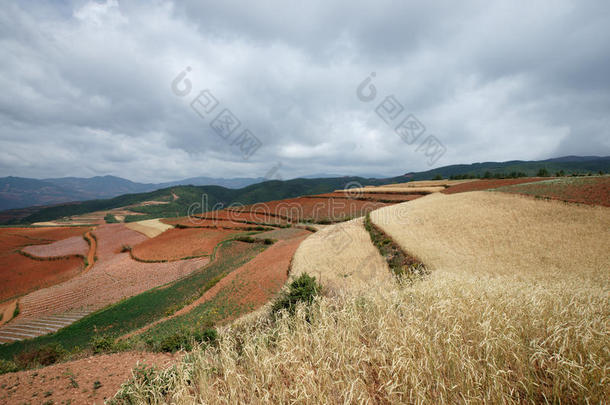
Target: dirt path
[{"x": 86, "y": 381}]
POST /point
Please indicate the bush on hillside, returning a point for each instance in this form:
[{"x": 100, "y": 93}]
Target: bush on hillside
[{"x": 303, "y": 289}]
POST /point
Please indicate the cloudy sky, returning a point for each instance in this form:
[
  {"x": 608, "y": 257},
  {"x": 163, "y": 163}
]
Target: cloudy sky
[{"x": 94, "y": 88}]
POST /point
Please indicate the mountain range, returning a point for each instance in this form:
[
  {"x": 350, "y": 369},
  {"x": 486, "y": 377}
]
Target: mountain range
[{"x": 19, "y": 192}]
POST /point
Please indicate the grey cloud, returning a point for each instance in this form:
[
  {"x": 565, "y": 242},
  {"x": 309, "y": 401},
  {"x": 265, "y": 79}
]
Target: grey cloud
[{"x": 88, "y": 84}]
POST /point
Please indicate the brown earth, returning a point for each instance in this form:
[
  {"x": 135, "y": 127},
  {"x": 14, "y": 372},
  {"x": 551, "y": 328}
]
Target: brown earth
[
  {"x": 178, "y": 243},
  {"x": 73, "y": 382},
  {"x": 20, "y": 274},
  {"x": 113, "y": 277},
  {"x": 582, "y": 190},
  {"x": 478, "y": 185},
  {"x": 316, "y": 209}
]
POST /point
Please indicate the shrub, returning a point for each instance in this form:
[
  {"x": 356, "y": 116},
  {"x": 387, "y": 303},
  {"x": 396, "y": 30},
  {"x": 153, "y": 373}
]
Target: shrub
[
  {"x": 543, "y": 173},
  {"x": 269, "y": 241},
  {"x": 125, "y": 248},
  {"x": 185, "y": 339},
  {"x": 7, "y": 366},
  {"x": 17, "y": 311},
  {"x": 102, "y": 344},
  {"x": 438, "y": 177},
  {"x": 42, "y": 356},
  {"x": 110, "y": 219},
  {"x": 303, "y": 289}
]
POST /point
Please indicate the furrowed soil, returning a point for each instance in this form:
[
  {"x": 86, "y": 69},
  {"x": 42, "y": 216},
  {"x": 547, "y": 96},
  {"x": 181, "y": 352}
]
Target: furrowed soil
[
  {"x": 20, "y": 274},
  {"x": 478, "y": 185},
  {"x": 583, "y": 190},
  {"x": 315, "y": 209},
  {"x": 113, "y": 277},
  {"x": 180, "y": 243}
]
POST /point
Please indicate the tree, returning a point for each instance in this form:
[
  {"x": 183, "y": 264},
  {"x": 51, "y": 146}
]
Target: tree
[{"x": 543, "y": 173}]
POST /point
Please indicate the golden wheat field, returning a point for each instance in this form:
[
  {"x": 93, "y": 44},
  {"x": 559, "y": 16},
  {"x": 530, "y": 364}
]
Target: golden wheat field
[
  {"x": 515, "y": 310},
  {"x": 340, "y": 256},
  {"x": 149, "y": 227}
]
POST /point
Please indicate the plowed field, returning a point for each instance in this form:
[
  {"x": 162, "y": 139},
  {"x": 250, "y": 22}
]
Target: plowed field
[
  {"x": 478, "y": 185},
  {"x": 176, "y": 244},
  {"x": 584, "y": 190},
  {"x": 315, "y": 209},
  {"x": 20, "y": 274}
]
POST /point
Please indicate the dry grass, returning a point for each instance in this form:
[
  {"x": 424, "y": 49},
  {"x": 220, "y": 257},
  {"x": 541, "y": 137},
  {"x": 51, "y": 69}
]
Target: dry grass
[
  {"x": 488, "y": 232},
  {"x": 149, "y": 227},
  {"x": 339, "y": 256},
  {"x": 515, "y": 311}
]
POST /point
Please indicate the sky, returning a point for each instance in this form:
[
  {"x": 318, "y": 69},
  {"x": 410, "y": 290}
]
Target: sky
[{"x": 157, "y": 91}]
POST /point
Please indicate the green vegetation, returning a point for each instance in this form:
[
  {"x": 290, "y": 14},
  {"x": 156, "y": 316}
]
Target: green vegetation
[
  {"x": 110, "y": 219},
  {"x": 400, "y": 263},
  {"x": 7, "y": 366},
  {"x": 17, "y": 311},
  {"x": 135, "y": 312},
  {"x": 543, "y": 172},
  {"x": 303, "y": 289}
]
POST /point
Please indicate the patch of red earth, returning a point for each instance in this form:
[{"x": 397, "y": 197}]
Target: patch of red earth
[
  {"x": 73, "y": 382},
  {"x": 20, "y": 274},
  {"x": 582, "y": 190},
  {"x": 177, "y": 243},
  {"x": 194, "y": 222},
  {"x": 233, "y": 214},
  {"x": 256, "y": 282},
  {"x": 316, "y": 209},
  {"x": 372, "y": 197},
  {"x": 112, "y": 237},
  {"x": 113, "y": 277},
  {"x": 75, "y": 245},
  {"x": 479, "y": 185}
]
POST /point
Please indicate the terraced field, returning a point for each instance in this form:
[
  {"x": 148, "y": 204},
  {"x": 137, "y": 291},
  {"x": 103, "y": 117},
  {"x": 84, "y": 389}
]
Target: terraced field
[
  {"x": 515, "y": 310},
  {"x": 583, "y": 190},
  {"x": 305, "y": 209},
  {"x": 21, "y": 274},
  {"x": 176, "y": 244}
]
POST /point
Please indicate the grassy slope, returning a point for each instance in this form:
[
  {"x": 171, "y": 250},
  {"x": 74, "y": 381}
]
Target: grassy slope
[{"x": 137, "y": 311}]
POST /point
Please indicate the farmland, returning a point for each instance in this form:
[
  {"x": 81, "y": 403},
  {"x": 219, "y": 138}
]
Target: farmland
[
  {"x": 584, "y": 190},
  {"x": 176, "y": 244},
  {"x": 497, "y": 265},
  {"x": 514, "y": 310},
  {"x": 21, "y": 274}
]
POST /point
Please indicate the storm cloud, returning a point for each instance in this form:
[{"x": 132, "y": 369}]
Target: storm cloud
[{"x": 87, "y": 86}]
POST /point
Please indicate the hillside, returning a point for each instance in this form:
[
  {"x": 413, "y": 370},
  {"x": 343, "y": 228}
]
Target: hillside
[{"x": 190, "y": 196}]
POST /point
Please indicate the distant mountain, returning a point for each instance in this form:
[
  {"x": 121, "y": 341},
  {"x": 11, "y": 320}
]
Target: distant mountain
[
  {"x": 20, "y": 192},
  {"x": 569, "y": 164}
]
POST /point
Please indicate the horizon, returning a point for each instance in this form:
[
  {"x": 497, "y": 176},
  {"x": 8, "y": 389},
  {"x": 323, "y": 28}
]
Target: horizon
[
  {"x": 156, "y": 92},
  {"x": 310, "y": 176}
]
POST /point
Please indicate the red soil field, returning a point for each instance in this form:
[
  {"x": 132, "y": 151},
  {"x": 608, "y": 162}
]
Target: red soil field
[
  {"x": 20, "y": 274},
  {"x": 233, "y": 214},
  {"x": 316, "y": 209},
  {"x": 583, "y": 190},
  {"x": 113, "y": 277},
  {"x": 372, "y": 197},
  {"x": 175, "y": 244},
  {"x": 478, "y": 185},
  {"x": 256, "y": 282}
]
